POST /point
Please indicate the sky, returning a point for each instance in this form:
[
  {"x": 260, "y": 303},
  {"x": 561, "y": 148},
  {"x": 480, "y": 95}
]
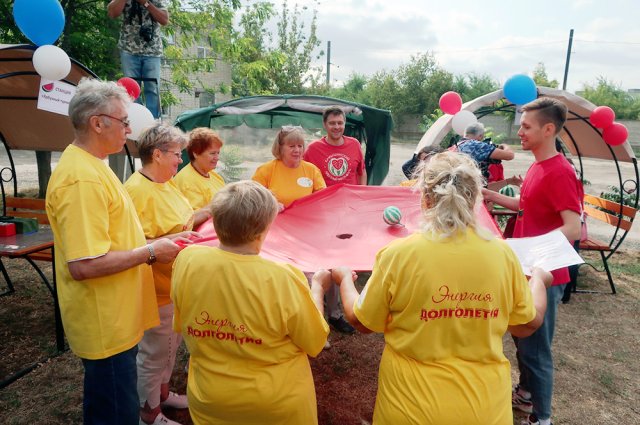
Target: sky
[{"x": 498, "y": 38}]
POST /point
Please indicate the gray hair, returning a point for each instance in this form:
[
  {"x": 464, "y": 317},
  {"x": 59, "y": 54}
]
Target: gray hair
[
  {"x": 474, "y": 130},
  {"x": 159, "y": 136},
  {"x": 94, "y": 97},
  {"x": 242, "y": 211},
  {"x": 450, "y": 183}
]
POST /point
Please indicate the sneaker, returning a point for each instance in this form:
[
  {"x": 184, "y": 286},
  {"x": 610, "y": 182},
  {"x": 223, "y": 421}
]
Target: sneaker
[
  {"x": 341, "y": 325},
  {"x": 160, "y": 420},
  {"x": 175, "y": 401},
  {"x": 531, "y": 420},
  {"x": 521, "y": 402}
]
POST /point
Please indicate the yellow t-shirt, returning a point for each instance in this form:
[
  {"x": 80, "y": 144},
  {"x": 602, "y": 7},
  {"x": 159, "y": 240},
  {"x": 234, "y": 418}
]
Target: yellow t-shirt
[
  {"x": 163, "y": 210},
  {"x": 444, "y": 307},
  {"x": 288, "y": 184},
  {"x": 91, "y": 214},
  {"x": 249, "y": 324},
  {"x": 197, "y": 189}
]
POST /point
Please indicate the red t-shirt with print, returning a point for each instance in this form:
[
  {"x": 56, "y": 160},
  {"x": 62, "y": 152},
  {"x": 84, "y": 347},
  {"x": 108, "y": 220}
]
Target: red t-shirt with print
[
  {"x": 550, "y": 186},
  {"x": 339, "y": 164}
]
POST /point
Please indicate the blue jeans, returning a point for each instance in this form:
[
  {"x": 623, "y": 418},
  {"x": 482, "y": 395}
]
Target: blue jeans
[
  {"x": 535, "y": 360},
  {"x": 110, "y": 394},
  {"x": 139, "y": 67}
]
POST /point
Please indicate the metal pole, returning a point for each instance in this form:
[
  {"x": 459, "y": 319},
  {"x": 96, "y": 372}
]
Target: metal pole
[
  {"x": 328, "y": 63},
  {"x": 566, "y": 65}
]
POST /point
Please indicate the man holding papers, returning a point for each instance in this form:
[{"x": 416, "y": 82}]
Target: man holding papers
[{"x": 550, "y": 198}]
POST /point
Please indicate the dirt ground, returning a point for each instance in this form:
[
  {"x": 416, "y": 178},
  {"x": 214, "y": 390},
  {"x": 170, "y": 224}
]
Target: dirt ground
[{"x": 596, "y": 348}]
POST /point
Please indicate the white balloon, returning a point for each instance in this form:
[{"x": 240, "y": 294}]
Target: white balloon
[
  {"x": 462, "y": 120},
  {"x": 51, "y": 62},
  {"x": 140, "y": 118}
]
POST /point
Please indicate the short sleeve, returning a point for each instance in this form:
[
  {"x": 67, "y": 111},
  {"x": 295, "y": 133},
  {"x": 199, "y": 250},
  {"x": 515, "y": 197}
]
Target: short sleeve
[
  {"x": 307, "y": 328},
  {"x": 318, "y": 180},
  {"x": 523, "y": 310},
  {"x": 83, "y": 209},
  {"x": 262, "y": 175}
]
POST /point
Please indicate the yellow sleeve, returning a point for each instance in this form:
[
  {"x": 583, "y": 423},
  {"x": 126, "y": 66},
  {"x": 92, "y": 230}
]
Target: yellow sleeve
[
  {"x": 523, "y": 310},
  {"x": 318, "y": 180},
  {"x": 372, "y": 306},
  {"x": 263, "y": 175},
  {"x": 83, "y": 209},
  {"x": 307, "y": 327}
]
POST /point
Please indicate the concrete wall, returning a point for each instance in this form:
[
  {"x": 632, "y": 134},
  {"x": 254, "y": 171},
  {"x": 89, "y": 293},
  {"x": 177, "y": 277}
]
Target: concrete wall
[
  {"x": 408, "y": 130},
  {"x": 201, "y": 81}
]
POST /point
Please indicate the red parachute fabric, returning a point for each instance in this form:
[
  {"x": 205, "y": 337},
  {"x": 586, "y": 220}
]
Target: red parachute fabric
[{"x": 341, "y": 226}]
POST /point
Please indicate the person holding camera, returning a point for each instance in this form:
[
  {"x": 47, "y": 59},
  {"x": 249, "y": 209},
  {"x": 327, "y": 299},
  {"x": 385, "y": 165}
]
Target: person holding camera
[{"x": 140, "y": 44}]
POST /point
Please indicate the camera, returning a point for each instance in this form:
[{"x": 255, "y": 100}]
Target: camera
[{"x": 146, "y": 32}]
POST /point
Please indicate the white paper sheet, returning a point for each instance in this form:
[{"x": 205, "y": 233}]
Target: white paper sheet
[{"x": 551, "y": 251}]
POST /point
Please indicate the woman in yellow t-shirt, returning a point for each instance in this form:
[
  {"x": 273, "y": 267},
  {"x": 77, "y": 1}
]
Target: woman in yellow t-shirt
[
  {"x": 163, "y": 212},
  {"x": 198, "y": 181},
  {"x": 444, "y": 298},
  {"x": 249, "y": 323},
  {"x": 288, "y": 176}
]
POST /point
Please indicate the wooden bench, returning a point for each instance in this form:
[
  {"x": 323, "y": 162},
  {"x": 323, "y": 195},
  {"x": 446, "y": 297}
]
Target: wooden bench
[
  {"x": 614, "y": 214},
  {"x": 29, "y": 208}
]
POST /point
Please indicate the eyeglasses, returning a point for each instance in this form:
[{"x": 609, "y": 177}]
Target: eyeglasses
[
  {"x": 176, "y": 154},
  {"x": 125, "y": 121},
  {"x": 286, "y": 129}
]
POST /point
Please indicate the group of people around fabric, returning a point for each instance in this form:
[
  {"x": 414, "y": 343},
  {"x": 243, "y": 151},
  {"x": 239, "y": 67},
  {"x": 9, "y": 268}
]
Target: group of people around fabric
[{"x": 132, "y": 285}]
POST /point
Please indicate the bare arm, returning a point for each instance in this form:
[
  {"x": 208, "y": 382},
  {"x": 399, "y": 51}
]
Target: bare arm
[
  {"x": 200, "y": 216},
  {"x": 500, "y": 199},
  {"x": 349, "y": 295},
  {"x": 570, "y": 225},
  {"x": 116, "y": 261},
  {"x": 539, "y": 282},
  {"x": 363, "y": 178},
  {"x": 502, "y": 152},
  {"x": 320, "y": 284},
  {"x": 161, "y": 16},
  {"x": 115, "y": 8}
]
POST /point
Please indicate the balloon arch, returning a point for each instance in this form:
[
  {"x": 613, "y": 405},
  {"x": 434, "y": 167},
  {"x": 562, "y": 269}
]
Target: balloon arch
[{"x": 581, "y": 137}]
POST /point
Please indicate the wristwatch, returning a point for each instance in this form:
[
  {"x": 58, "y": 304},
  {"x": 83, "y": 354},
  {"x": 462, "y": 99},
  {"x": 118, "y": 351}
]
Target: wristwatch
[
  {"x": 146, "y": 5},
  {"x": 152, "y": 255}
]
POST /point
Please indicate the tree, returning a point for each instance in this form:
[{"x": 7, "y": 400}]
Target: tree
[
  {"x": 266, "y": 64},
  {"x": 608, "y": 94},
  {"x": 540, "y": 77}
]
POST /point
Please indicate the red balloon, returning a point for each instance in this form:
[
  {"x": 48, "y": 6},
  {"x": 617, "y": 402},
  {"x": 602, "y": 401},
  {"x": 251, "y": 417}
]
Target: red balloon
[
  {"x": 450, "y": 103},
  {"x": 602, "y": 117},
  {"x": 131, "y": 86},
  {"x": 616, "y": 134}
]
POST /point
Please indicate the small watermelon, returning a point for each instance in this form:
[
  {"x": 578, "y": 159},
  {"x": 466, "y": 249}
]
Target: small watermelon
[
  {"x": 509, "y": 191},
  {"x": 392, "y": 215}
]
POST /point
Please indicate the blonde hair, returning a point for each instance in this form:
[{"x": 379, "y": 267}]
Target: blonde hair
[
  {"x": 450, "y": 184},
  {"x": 242, "y": 211},
  {"x": 287, "y": 132}
]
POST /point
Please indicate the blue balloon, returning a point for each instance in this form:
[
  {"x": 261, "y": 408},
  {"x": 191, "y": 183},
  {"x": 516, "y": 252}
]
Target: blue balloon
[
  {"x": 42, "y": 21},
  {"x": 520, "y": 89}
]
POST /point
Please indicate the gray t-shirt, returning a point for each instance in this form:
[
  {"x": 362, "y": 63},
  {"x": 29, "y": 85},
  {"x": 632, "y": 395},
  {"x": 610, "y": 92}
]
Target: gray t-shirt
[{"x": 135, "y": 16}]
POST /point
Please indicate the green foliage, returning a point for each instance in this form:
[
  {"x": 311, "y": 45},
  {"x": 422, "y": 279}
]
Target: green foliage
[
  {"x": 541, "y": 79},
  {"x": 613, "y": 194},
  {"x": 609, "y": 94},
  {"x": 262, "y": 68},
  {"x": 231, "y": 158}
]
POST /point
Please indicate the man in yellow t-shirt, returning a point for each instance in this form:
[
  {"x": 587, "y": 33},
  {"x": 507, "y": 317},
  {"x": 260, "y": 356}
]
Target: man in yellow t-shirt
[
  {"x": 250, "y": 327},
  {"x": 105, "y": 289}
]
